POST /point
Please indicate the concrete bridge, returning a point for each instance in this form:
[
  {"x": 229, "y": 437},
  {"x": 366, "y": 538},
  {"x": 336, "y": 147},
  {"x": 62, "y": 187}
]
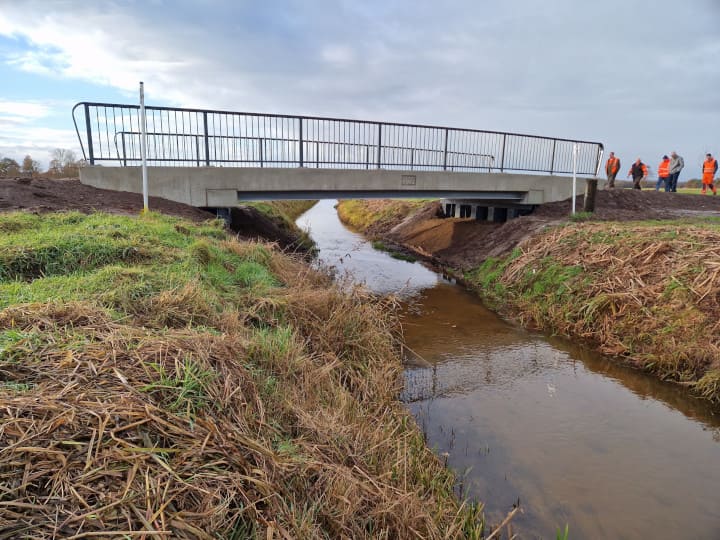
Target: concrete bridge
[{"x": 215, "y": 159}]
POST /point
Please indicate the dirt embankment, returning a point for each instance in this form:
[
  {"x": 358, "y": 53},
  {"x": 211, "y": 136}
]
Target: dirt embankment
[{"x": 465, "y": 243}]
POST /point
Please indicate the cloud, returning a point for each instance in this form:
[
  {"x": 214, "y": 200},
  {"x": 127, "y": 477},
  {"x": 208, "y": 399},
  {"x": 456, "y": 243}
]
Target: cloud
[
  {"x": 340, "y": 55},
  {"x": 38, "y": 142},
  {"x": 23, "y": 111},
  {"x": 554, "y": 68}
]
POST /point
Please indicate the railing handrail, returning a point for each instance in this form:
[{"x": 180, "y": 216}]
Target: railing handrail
[
  {"x": 521, "y": 154},
  {"x": 327, "y": 118},
  {"x": 305, "y": 141}
]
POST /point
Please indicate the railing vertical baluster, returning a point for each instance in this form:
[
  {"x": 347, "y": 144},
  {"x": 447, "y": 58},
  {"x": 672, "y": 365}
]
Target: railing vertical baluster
[
  {"x": 379, "y": 146},
  {"x": 301, "y": 142},
  {"x": 445, "y": 153},
  {"x": 502, "y": 153},
  {"x": 207, "y": 140},
  {"x": 281, "y": 141},
  {"x": 88, "y": 129}
]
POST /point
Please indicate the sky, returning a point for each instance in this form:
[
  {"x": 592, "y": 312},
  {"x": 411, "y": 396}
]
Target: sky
[{"x": 640, "y": 76}]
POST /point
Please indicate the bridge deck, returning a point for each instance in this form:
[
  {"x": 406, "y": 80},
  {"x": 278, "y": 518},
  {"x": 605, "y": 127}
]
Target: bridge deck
[{"x": 224, "y": 187}]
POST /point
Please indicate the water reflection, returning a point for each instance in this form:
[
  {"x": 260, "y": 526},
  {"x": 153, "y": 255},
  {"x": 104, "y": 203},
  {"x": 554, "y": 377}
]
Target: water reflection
[
  {"x": 349, "y": 252},
  {"x": 577, "y": 438}
]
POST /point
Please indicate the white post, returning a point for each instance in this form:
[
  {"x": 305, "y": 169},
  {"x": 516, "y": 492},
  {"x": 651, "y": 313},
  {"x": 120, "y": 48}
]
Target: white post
[
  {"x": 574, "y": 190},
  {"x": 143, "y": 147}
]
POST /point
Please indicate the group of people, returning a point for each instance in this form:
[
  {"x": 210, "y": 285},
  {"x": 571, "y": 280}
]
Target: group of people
[{"x": 668, "y": 172}]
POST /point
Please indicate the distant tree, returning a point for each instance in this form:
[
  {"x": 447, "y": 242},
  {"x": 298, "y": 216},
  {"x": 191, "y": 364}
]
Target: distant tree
[
  {"x": 64, "y": 164},
  {"x": 30, "y": 166},
  {"x": 693, "y": 183},
  {"x": 9, "y": 167}
]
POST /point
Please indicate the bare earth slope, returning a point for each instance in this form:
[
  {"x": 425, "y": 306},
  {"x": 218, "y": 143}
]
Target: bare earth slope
[
  {"x": 465, "y": 243},
  {"x": 49, "y": 195}
]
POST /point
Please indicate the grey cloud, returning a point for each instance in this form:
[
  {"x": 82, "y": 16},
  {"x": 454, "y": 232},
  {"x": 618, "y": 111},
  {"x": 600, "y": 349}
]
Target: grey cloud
[{"x": 612, "y": 71}]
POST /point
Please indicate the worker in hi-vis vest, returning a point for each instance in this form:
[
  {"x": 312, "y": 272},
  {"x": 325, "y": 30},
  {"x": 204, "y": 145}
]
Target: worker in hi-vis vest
[
  {"x": 663, "y": 174},
  {"x": 710, "y": 167},
  {"x": 612, "y": 168}
]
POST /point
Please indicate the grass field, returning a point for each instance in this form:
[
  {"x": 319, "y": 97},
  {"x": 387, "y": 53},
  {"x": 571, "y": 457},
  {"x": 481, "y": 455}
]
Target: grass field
[{"x": 161, "y": 379}]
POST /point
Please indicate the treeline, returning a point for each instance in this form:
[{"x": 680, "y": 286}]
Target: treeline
[{"x": 63, "y": 164}]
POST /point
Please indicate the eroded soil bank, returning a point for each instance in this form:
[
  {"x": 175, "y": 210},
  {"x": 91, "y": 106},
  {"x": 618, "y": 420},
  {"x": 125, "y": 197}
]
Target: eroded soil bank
[{"x": 646, "y": 291}]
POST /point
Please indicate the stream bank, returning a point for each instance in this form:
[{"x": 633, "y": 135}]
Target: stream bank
[
  {"x": 644, "y": 291},
  {"x": 577, "y": 438},
  {"x": 160, "y": 377}
]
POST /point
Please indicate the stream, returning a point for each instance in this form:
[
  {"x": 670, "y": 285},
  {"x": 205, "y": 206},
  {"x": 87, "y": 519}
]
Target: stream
[{"x": 576, "y": 438}]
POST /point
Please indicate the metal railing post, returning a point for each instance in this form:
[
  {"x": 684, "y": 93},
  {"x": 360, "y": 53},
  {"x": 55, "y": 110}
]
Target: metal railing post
[
  {"x": 445, "y": 153},
  {"x": 367, "y": 157},
  {"x": 552, "y": 159},
  {"x": 502, "y": 158},
  {"x": 207, "y": 140},
  {"x": 122, "y": 139},
  {"x": 301, "y": 143},
  {"x": 317, "y": 155},
  {"x": 379, "y": 146},
  {"x": 261, "y": 141},
  {"x": 197, "y": 149},
  {"x": 91, "y": 154},
  {"x": 412, "y": 158}
]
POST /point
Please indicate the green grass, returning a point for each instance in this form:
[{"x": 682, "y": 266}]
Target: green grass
[
  {"x": 290, "y": 383},
  {"x": 362, "y": 214},
  {"x": 182, "y": 390},
  {"x": 581, "y": 216},
  {"x": 399, "y": 255},
  {"x": 118, "y": 261},
  {"x": 284, "y": 214}
]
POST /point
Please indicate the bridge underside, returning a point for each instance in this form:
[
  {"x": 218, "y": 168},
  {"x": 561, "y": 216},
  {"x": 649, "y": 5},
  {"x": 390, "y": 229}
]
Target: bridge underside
[{"x": 215, "y": 187}]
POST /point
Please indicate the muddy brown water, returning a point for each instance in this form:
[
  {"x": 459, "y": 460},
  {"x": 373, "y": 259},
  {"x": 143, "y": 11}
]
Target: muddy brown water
[{"x": 576, "y": 438}]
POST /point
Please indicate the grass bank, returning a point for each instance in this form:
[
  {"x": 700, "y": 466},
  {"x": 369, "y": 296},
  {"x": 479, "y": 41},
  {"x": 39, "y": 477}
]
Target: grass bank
[
  {"x": 283, "y": 215},
  {"x": 646, "y": 291},
  {"x": 159, "y": 378},
  {"x": 380, "y": 215}
]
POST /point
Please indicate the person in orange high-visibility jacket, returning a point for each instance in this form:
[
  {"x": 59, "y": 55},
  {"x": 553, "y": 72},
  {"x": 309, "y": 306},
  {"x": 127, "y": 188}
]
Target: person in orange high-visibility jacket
[
  {"x": 612, "y": 168},
  {"x": 639, "y": 172},
  {"x": 663, "y": 174},
  {"x": 710, "y": 167}
]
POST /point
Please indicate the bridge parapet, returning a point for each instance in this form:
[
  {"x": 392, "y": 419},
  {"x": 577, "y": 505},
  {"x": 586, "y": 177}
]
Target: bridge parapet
[{"x": 109, "y": 134}]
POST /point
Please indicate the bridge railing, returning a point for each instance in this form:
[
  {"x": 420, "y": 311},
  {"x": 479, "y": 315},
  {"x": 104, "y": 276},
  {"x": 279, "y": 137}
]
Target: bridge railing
[{"x": 110, "y": 134}]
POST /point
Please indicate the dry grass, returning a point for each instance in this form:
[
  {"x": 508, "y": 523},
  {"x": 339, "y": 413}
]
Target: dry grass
[
  {"x": 646, "y": 291},
  {"x": 270, "y": 415}
]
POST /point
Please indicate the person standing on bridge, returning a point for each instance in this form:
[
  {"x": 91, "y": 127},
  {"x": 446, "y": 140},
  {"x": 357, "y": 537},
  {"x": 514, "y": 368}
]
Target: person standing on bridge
[
  {"x": 639, "y": 172},
  {"x": 710, "y": 167},
  {"x": 663, "y": 174},
  {"x": 612, "y": 168},
  {"x": 677, "y": 163}
]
